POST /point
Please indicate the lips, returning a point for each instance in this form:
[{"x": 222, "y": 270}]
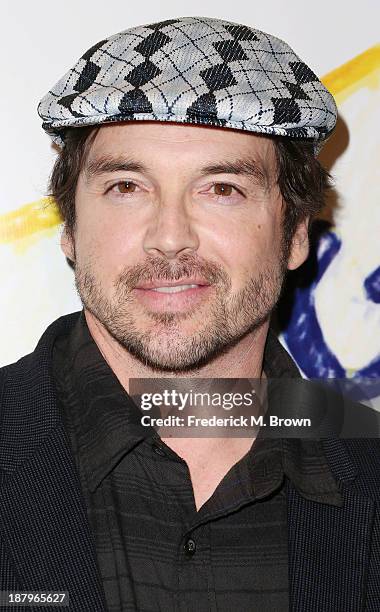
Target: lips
[
  {"x": 178, "y": 283},
  {"x": 174, "y": 289},
  {"x": 162, "y": 296}
]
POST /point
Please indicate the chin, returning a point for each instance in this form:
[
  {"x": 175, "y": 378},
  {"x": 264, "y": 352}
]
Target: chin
[
  {"x": 160, "y": 361},
  {"x": 170, "y": 351}
]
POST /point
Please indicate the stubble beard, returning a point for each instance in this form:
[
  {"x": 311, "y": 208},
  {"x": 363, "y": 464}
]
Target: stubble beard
[{"x": 225, "y": 318}]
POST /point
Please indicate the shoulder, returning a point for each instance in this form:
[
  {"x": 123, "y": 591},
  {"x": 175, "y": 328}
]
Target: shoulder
[
  {"x": 28, "y": 405},
  {"x": 365, "y": 453},
  {"x": 62, "y": 325},
  {"x": 356, "y": 461}
]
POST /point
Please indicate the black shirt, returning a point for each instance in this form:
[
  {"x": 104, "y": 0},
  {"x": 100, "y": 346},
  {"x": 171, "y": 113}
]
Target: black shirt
[{"x": 155, "y": 551}]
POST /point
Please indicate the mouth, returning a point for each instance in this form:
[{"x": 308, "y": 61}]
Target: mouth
[
  {"x": 174, "y": 288},
  {"x": 162, "y": 296},
  {"x": 178, "y": 285}
]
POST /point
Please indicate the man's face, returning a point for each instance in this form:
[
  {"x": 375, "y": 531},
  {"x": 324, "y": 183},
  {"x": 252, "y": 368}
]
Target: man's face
[{"x": 166, "y": 204}]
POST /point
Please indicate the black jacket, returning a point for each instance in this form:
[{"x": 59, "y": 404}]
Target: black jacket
[{"x": 45, "y": 538}]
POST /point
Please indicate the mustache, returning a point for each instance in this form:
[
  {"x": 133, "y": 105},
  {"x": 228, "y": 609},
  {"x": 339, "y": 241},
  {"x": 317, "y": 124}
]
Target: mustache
[{"x": 186, "y": 265}]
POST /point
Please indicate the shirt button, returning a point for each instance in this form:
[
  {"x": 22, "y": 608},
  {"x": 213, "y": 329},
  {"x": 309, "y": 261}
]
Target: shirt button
[
  {"x": 190, "y": 547},
  {"x": 158, "y": 450}
]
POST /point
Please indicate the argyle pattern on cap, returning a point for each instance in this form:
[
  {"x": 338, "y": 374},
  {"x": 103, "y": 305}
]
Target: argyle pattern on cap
[{"x": 192, "y": 70}]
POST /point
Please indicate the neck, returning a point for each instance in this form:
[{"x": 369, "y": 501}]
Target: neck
[{"x": 243, "y": 360}]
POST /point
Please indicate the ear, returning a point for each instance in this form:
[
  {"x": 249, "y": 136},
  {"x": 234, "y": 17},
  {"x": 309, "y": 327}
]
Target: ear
[
  {"x": 67, "y": 244},
  {"x": 299, "y": 250}
]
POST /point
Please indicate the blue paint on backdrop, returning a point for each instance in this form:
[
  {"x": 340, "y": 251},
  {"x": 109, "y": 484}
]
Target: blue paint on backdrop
[{"x": 304, "y": 336}]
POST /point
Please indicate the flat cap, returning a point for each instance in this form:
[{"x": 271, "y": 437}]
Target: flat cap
[{"x": 194, "y": 70}]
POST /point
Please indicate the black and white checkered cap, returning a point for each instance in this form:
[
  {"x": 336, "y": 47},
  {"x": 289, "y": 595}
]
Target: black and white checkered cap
[{"x": 193, "y": 70}]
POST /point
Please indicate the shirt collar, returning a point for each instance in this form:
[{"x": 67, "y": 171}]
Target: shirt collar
[
  {"x": 108, "y": 423},
  {"x": 105, "y": 419}
]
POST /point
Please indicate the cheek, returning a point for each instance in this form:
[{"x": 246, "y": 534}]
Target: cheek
[
  {"x": 105, "y": 245},
  {"x": 247, "y": 248}
]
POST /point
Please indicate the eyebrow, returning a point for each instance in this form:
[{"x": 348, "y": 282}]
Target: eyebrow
[
  {"x": 107, "y": 164},
  {"x": 243, "y": 167}
]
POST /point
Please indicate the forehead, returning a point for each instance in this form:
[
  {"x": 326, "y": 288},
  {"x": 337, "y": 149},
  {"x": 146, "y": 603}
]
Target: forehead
[{"x": 180, "y": 141}]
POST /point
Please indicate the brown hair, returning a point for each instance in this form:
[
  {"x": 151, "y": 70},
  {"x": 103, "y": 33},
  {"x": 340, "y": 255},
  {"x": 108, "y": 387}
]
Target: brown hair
[
  {"x": 303, "y": 183},
  {"x": 301, "y": 178}
]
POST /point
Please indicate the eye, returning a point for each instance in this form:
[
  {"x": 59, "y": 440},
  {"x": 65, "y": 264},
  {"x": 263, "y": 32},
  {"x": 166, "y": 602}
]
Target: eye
[
  {"x": 127, "y": 187},
  {"x": 223, "y": 189}
]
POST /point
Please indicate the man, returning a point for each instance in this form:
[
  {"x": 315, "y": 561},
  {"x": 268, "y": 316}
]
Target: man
[{"x": 187, "y": 180}]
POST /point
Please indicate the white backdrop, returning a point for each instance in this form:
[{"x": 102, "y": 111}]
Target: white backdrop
[{"x": 40, "y": 40}]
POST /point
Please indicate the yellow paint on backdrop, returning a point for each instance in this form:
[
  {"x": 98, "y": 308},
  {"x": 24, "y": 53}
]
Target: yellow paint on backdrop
[
  {"x": 28, "y": 224},
  {"x": 362, "y": 71}
]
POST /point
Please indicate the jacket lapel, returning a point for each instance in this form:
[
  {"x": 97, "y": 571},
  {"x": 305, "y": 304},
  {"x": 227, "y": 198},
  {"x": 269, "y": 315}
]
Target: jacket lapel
[
  {"x": 45, "y": 526},
  {"x": 328, "y": 545}
]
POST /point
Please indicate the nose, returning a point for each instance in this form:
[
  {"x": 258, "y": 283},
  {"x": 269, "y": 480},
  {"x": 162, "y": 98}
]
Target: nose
[{"x": 171, "y": 230}]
